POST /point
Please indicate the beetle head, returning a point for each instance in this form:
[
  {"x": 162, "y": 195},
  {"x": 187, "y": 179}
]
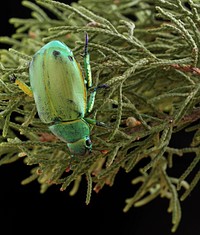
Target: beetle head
[{"x": 81, "y": 147}]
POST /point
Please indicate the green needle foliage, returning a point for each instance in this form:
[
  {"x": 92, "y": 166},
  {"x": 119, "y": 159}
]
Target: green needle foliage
[{"x": 147, "y": 52}]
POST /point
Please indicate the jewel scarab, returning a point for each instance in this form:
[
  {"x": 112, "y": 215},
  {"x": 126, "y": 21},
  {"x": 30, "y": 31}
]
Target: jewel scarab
[{"x": 60, "y": 93}]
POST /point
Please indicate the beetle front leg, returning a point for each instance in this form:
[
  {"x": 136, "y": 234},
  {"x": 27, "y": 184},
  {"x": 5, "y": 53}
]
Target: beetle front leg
[{"x": 26, "y": 89}]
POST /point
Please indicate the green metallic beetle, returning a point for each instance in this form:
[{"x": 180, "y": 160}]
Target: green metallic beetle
[{"x": 60, "y": 94}]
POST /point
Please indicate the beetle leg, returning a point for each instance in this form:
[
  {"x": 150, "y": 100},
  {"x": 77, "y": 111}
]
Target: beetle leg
[
  {"x": 92, "y": 97},
  {"x": 26, "y": 89},
  {"x": 91, "y": 100},
  {"x": 95, "y": 122},
  {"x": 89, "y": 77},
  {"x": 87, "y": 67}
]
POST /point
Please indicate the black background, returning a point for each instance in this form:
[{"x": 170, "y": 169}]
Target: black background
[{"x": 24, "y": 210}]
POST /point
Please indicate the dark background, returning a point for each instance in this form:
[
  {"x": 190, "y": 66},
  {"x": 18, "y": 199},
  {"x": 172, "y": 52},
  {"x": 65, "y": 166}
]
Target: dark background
[{"x": 24, "y": 210}]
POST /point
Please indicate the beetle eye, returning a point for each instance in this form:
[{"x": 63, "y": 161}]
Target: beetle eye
[
  {"x": 88, "y": 142},
  {"x": 70, "y": 58}
]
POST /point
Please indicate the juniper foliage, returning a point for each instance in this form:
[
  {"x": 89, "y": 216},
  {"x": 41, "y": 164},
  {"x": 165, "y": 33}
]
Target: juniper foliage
[{"x": 147, "y": 52}]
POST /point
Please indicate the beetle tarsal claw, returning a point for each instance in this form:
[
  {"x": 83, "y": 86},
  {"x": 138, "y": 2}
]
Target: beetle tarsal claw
[
  {"x": 105, "y": 86},
  {"x": 12, "y": 78},
  {"x": 101, "y": 124}
]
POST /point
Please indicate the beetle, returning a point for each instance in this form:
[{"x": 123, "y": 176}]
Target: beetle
[{"x": 60, "y": 94}]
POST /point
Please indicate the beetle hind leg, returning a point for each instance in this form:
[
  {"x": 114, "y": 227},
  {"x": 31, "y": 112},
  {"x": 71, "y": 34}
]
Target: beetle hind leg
[
  {"x": 91, "y": 100},
  {"x": 88, "y": 77},
  {"x": 26, "y": 89},
  {"x": 87, "y": 67}
]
